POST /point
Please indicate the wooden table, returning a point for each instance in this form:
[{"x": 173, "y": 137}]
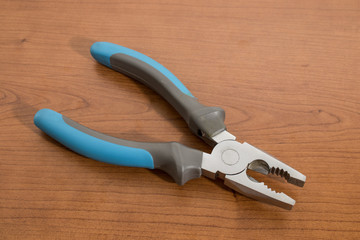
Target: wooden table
[{"x": 286, "y": 72}]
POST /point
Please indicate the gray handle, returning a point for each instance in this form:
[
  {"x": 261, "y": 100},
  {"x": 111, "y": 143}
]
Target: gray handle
[
  {"x": 204, "y": 121},
  {"x": 180, "y": 162}
]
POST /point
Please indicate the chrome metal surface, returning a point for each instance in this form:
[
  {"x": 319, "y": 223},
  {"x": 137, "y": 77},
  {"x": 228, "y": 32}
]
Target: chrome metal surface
[
  {"x": 230, "y": 159},
  {"x": 224, "y": 135}
]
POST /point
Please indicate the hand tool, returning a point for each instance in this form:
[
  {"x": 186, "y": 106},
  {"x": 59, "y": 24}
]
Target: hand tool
[{"x": 229, "y": 159}]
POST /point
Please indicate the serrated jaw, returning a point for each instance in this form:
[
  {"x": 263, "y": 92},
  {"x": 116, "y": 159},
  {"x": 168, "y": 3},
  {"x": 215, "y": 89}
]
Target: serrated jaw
[{"x": 258, "y": 190}]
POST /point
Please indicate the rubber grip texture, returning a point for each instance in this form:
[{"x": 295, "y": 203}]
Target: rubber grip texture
[
  {"x": 203, "y": 121},
  {"x": 102, "y": 52},
  {"x": 54, "y": 125},
  {"x": 180, "y": 162}
]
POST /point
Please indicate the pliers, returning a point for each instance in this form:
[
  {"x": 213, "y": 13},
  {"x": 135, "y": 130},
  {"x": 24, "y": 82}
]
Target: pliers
[{"x": 229, "y": 159}]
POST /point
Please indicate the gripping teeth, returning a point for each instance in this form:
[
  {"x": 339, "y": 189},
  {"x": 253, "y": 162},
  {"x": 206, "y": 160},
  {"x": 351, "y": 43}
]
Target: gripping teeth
[
  {"x": 291, "y": 176},
  {"x": 265, "y": 163},
  {"x": 266, "y": 186},
  {"x": 258, "y": 190},
  {"x": 280, "y": 172}
]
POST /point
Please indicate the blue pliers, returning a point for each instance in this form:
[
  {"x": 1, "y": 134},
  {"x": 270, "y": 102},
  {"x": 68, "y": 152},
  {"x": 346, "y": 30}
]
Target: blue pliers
[{"x": 229, "y": 159}]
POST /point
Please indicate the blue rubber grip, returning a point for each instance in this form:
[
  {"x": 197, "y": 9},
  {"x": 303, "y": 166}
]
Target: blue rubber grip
[
  {"x": 53, "y": 124},
  {"x": 102, "y": 51}
]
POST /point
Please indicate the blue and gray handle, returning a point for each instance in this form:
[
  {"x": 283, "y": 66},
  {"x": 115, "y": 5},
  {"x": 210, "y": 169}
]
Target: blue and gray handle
[
  {"x": 203, "y": 121},
  {"x": 180, "y": 162}
]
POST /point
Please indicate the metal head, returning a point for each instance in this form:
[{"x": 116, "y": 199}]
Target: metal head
[{"x": 230, "y": 160}]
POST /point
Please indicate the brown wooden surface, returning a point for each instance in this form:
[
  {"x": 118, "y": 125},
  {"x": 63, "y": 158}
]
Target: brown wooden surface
[{"x": 286, "y": 72}]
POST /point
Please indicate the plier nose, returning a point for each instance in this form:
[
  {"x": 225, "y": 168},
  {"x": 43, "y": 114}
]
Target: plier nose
[{"x": 230, "y": 160}]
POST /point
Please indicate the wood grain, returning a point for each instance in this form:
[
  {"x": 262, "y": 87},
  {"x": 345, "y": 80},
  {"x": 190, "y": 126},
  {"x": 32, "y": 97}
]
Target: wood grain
[{"x": 286, "y": 72}]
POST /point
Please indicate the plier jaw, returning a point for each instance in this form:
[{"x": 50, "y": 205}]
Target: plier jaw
[{"x": 230, "y": 161}]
